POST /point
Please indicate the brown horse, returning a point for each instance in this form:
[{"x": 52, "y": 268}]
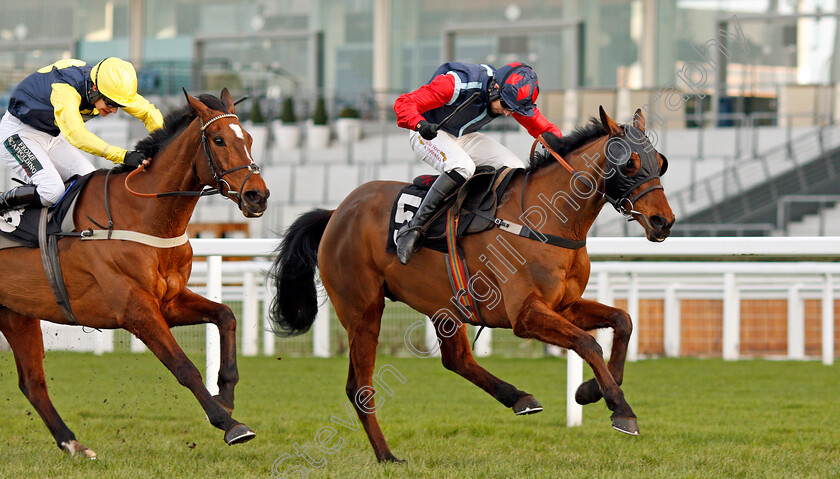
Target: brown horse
[
  {"x": 537, "y": 286},
  {"x": 138, "y": 287}
]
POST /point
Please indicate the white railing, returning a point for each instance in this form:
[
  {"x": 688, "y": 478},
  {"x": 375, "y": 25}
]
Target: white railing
[{"x": 623, "y": 268}]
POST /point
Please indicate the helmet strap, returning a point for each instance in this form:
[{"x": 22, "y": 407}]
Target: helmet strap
[
  {"x": 96, "y": 77},
  {"x": 495, "y": 92},
  {"x": 93, "y": 96}
]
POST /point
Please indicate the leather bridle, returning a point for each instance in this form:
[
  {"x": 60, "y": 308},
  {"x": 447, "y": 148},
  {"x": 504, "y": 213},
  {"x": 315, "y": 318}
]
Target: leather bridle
[{"x": 215, "y": 169}]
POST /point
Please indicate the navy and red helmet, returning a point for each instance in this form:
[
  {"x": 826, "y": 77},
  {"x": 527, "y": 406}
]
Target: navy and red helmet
[{"x": 518, "y": 87}]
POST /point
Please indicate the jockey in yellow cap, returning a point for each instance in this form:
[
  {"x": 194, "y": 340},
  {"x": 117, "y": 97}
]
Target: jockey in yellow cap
[{"x": 44, "y": 127}]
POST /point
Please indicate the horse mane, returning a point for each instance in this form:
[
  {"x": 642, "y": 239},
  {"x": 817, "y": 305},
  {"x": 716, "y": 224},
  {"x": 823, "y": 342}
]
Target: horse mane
[
  {"x": 569, "y": 143},
  {"x": 173, "y": 123}
]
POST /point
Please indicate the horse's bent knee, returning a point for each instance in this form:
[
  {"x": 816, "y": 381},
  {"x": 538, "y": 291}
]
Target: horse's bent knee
[
  {"x": 225, "y": 319},
  {"x": 622, "y": 324},
  {"x": 588, "y": 343}
]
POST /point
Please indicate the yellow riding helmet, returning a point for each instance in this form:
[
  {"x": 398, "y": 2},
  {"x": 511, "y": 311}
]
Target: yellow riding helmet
[{"x": 116, "y": 79}]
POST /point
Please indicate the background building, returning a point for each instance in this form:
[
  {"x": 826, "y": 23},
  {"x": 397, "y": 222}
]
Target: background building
[
  {"x": 354, "y": 50},
  {"x": 740, "y": 95}
]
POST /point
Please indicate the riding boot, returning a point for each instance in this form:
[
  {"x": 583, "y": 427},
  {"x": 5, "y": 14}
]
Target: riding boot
[
  {"x": 24, "y": 195},
  {"x": 411, "y": 234}
]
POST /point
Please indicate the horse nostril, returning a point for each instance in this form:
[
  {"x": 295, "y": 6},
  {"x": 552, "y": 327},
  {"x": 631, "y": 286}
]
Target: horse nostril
[
  {"x": 254, "y": 197},
  {"x": 660, "y": 222}
]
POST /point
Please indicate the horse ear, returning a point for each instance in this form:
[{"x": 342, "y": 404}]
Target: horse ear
[
  {"x": 196, "y": 105},
  {"x": 639, "y": 120},
  {"x": 228, "y": 100},
  {"x": 609, "y": 124}
]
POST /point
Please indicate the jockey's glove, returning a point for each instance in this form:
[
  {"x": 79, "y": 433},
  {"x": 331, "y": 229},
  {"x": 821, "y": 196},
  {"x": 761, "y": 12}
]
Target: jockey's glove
[
  {"x": 134, "y": 158},
  {"x": 427, "y": 130},
  {"x": 552, "y": 140}
]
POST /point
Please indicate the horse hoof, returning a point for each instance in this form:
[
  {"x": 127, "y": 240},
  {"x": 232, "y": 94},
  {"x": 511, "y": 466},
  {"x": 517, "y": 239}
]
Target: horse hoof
[
  {"x": 588, "y": 393},
  {"x": 627, "y": 425},
  {"x": 392, "y": 460},
  {"x": 238, "y": 434},
  {"x": 74, "y": 448},
  {"x": 527, "y": 405}
]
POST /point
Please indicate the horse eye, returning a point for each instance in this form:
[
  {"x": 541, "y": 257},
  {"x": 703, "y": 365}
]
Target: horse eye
[{"x": 219, "y": 141}]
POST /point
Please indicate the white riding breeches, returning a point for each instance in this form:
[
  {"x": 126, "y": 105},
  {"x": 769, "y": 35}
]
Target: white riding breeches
[
  {"x": 39, "y": 158},
  {"x": 447, "y": 153}
]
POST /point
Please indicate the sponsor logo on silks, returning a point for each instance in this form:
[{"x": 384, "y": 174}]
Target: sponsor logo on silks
[
  {"x": 442, "y": 156},
  {"x": 10, "y": 220},
  {"x": 24, "y": 156}
]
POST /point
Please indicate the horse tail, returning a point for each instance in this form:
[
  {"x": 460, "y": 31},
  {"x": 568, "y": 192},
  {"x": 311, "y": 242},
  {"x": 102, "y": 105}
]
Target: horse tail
[{"x": 293, "y": 309}]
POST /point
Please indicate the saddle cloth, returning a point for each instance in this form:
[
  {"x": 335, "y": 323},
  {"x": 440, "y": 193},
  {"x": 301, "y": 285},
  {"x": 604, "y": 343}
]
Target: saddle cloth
[
  {"x": 19, "y": 227},
  {"x": 482, "y": 193}
]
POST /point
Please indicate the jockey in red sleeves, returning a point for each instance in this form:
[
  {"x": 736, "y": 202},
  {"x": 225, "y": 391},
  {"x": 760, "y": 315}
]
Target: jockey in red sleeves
[{"x": 455, "y": 147}]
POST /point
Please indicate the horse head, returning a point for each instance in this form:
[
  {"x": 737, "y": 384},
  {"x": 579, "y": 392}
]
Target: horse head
[
  {"x": 632, "y": 176},
  {"x": 227, "y": 149}
]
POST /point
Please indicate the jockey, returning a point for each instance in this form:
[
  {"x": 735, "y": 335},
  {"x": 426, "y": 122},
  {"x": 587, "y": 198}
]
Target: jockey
[
  {"x": 44, "y": 127},
  {"x": 458, "y": 147}
]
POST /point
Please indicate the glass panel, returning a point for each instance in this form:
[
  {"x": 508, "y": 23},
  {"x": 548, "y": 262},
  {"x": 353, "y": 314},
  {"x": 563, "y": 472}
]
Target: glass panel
[{"x": 26, "y": 20}]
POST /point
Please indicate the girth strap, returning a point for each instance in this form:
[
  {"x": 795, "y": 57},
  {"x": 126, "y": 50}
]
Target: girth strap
[
  {"x": 136, "y": 237},
  {"x": 52, "y": 267},
  {"x": 526, "y": 232}
]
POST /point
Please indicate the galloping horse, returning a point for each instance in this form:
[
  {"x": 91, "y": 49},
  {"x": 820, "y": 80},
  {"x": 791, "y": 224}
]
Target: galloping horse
[
  {"x": 539, "y": 294},
  {"x": 135, "y": 286}
]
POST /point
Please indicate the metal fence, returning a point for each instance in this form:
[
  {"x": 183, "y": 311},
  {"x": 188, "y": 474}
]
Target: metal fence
[{"x": 688, "y": 297}]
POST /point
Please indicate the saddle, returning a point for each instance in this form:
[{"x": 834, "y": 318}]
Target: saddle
[
  {"x": 19, "y": 227},
  {"x": 476, "y": 202}
]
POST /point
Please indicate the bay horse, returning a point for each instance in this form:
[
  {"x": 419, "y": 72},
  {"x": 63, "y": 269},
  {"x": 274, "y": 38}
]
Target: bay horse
[
  {"x": 538, "y": 295},
  {"x": 140, "y": 288}
]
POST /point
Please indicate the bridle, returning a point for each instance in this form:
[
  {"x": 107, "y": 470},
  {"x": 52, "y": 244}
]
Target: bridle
[
  {"x": 618, "y": 188},
  {"x": 215, "y": 169}
]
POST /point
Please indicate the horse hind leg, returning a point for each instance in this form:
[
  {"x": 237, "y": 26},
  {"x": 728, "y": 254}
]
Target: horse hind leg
[
  {"x": 26, "y": 340},
  {"x": 457, "y": 356},
  {"x": 362, "y": 325}
]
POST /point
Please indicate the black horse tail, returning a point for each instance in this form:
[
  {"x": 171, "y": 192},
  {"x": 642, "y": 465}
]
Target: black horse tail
[{"x": 295, "y": 305}]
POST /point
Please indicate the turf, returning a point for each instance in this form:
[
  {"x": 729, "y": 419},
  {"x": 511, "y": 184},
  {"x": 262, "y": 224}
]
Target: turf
[{"x": 698, "y": 418}]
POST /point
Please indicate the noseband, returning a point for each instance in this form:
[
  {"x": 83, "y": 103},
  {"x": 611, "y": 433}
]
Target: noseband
[{"x": 216, "y": 169}]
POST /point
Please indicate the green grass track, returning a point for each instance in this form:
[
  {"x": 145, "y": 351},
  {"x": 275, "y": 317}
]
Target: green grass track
[{"x": 698, "y": 418}]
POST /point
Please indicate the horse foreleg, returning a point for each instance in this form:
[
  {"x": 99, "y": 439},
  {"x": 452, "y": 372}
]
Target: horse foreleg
[
  {"x": 25, "y": 339},
  {"x": 537, "y": 320},
  {"x": 144, "y": 320},
  {"x": 189, "y": 308},
  {"x": 456, "y": 355},
  {"x": 589, "y": 315}
]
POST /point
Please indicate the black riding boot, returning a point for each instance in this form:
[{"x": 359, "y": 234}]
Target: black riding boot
[
  {"x": 411, "y": 234},
  {"x": 24, "y": 195}
]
